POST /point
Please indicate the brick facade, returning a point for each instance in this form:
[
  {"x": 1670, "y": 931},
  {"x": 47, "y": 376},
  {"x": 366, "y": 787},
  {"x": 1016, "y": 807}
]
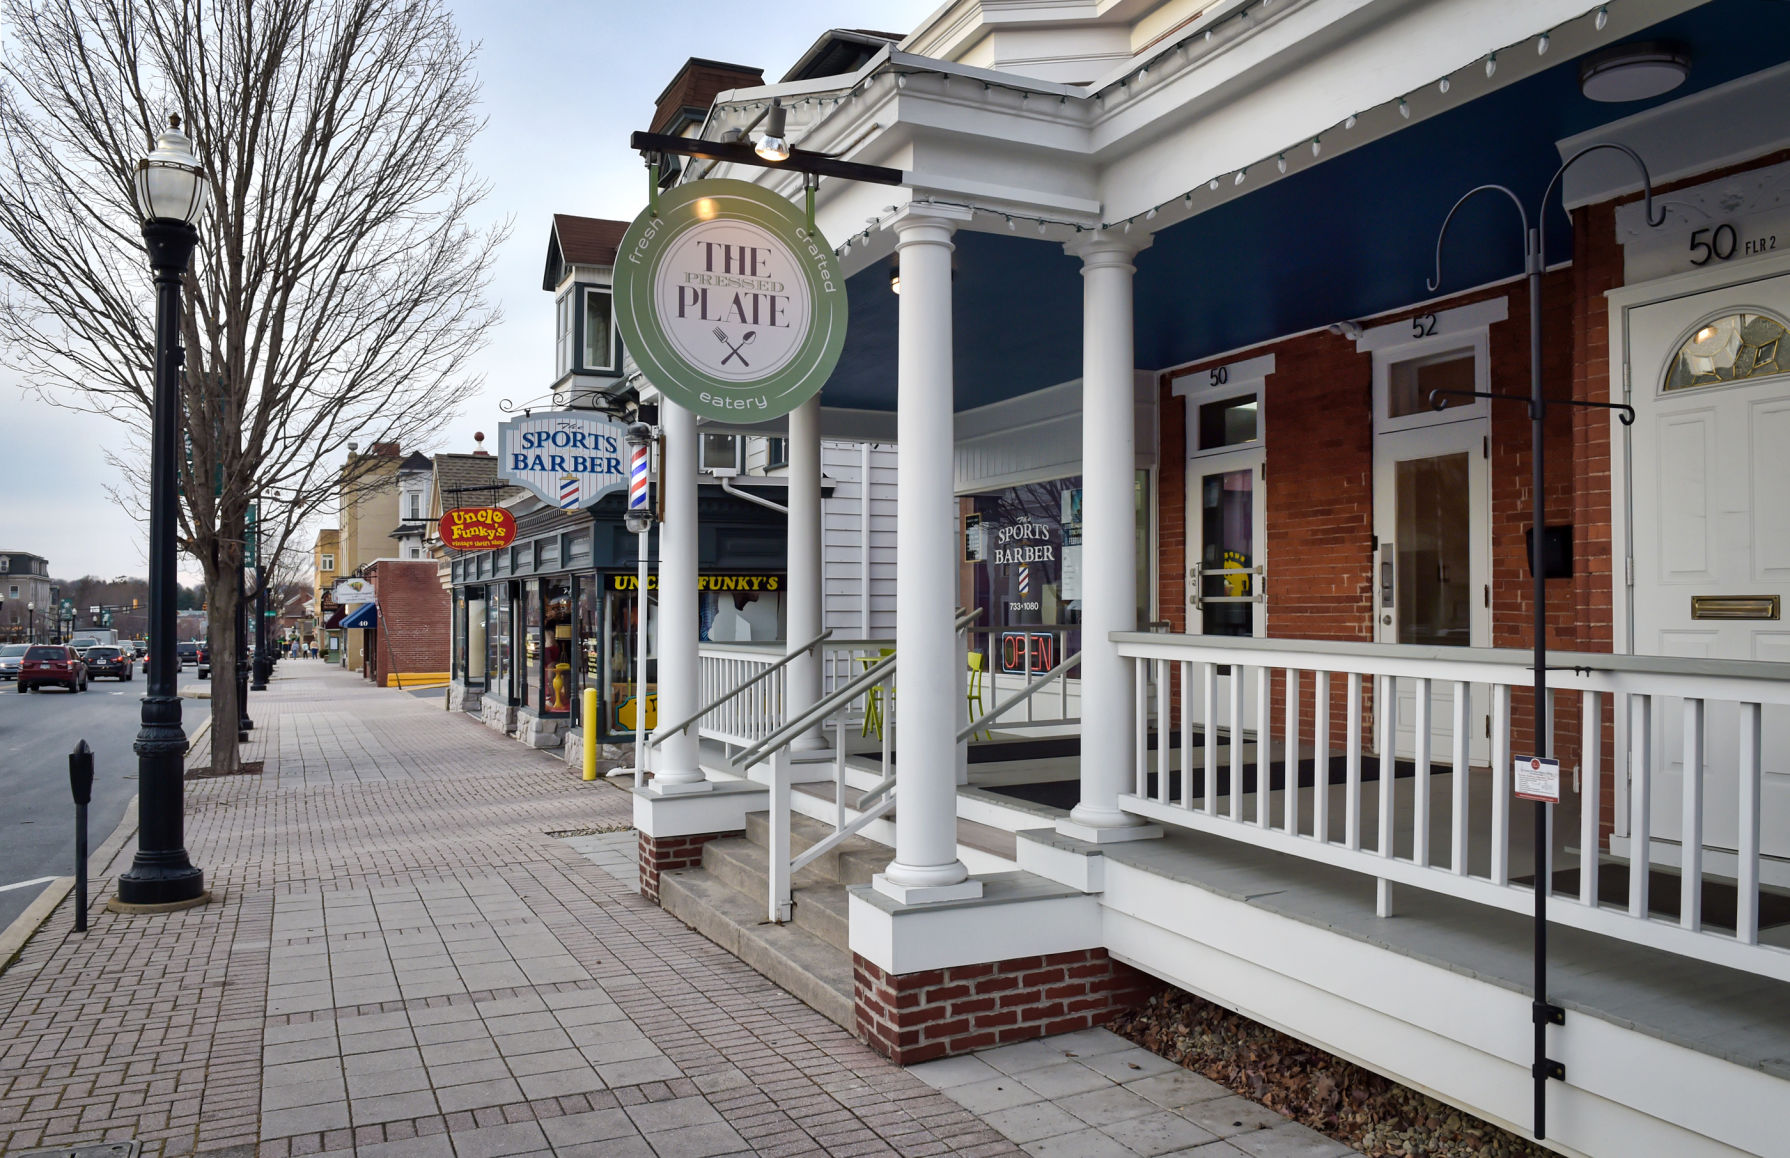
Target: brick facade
[
  {"x": 916, "y": 1017},
  {"x": 415, "y": 615},
  {"x": 662, "y": 854}
]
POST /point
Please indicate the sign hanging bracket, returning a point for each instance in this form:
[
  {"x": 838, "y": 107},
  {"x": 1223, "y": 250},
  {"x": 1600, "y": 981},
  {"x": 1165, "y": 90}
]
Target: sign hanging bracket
[{"x": 810, "y": 182}]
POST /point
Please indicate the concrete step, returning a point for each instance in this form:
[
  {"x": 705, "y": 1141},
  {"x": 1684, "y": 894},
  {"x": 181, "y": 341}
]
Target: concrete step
[
  {"x": 811, "y": 969},
  {"x": 818, "y": 904},
  {"x": 853, "y": 862}
]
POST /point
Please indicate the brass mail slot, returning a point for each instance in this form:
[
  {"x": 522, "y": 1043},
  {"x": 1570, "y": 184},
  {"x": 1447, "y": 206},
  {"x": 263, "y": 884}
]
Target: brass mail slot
[{"x": 1735, "y": 607}]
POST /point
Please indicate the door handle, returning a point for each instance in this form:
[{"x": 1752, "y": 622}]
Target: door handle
[{"x": 1386, "y": 575}]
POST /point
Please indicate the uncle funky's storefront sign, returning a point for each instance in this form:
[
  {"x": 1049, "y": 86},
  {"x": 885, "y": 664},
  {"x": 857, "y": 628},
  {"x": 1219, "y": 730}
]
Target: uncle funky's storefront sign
[
  {"x": 570, "y": 459},
  {"x": 730, "y": 301}
]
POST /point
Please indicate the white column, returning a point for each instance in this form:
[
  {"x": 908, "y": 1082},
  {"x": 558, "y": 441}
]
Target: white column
[
  {"x": 1109, "y": 538},
  {"x": 803, "y": 594},
  {"x": 675, "y": 769},
  {"x": 925, "y": 867}
]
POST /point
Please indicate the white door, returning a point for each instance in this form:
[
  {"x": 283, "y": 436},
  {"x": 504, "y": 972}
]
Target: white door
[
  {"x": 1710, "y": 454},
  {"x": 1432, "y": 575}
]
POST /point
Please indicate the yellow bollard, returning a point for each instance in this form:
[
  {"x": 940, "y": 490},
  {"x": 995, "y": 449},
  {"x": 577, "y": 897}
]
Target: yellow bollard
[{"x": 590, "y": 733}]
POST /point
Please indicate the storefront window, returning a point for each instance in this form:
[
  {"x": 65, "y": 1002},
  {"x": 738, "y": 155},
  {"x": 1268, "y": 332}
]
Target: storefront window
[
  {"x": 558, "y": 681},
  {"x": 621, "y": 623},
  {"x": 500, "y": 660},
  {"x": 1021, "y": 565},
  {"x": 457, "y": 630},
  {"x": 476, "y": 633},
  {"x": 531, "y": 639},
  {"x": 588, "y": 666}
]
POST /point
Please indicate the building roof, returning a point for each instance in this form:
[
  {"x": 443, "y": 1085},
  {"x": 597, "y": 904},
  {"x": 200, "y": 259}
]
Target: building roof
[
  {"x": 695, "y": 87},
  {"x": 576, "y": 240},
  {"x": 474, "y": 476},
  {"x": 418, "y": 461},
  {"x": 839, "y": 51}
]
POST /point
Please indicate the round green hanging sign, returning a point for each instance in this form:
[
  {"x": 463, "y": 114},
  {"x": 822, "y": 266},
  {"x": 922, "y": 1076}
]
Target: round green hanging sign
[{"x": 730, "y": 301}]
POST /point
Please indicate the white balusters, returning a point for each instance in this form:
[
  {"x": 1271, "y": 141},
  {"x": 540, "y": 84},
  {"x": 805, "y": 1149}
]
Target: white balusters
[
  {"x": 1386, "y": 699},
  {"x": 1238, "y": 674},
  {"x": 1640, "y": 801},
  {"x": 1264, "y": 741},
  {"x": 1690, "y": 897},
  {"x": 1210, "y": 705},
  {"x": 1320, "y": 756},
  {"x": 1163, "y": 731},
  {"x": 1501, "y": 771},
  {"x": 1420, "y": 788},
  {"x": 1289, "y": 797},
  {"x": 1591, "y": 740},
  {"x": 1457, "y": 818},
  {"x": 1186, "y": 734},
  {"x": 1140, "y": 726},
  {"x": 1746, "y": 919},
  {"x": 1352, "y": 773}
]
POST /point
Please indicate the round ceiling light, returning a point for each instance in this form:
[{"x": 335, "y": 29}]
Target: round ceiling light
[{"x": 1633, "y": 72}]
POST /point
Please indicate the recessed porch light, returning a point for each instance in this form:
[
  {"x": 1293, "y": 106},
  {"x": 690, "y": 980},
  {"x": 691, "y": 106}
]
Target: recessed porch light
[{"x": 1633, "y": 72}]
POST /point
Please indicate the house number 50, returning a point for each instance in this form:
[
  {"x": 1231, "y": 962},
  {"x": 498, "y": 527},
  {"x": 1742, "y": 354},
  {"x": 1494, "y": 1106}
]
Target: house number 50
[{"x": 1719, "y": 244}]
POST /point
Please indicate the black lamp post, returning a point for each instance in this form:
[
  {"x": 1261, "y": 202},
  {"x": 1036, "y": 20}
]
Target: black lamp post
[
  {"x": 1543, "y": 1012},
  {"x": 171, "y": 195}
]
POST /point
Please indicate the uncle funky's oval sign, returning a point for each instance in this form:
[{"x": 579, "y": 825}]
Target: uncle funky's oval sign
[
  {"x": 477, "y": 528},
  {"x": 730, "y": 301}
]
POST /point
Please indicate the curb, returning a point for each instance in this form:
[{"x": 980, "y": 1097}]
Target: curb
[{"x": 27, "y": 923}]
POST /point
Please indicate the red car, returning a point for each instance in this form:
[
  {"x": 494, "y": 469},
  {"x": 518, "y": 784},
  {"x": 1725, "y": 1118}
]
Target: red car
[{"x": 52, "y": 663}]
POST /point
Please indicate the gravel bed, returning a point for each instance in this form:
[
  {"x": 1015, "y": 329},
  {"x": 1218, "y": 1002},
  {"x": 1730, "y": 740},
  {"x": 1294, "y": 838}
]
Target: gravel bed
[{"x": 1353, "y": 1105}]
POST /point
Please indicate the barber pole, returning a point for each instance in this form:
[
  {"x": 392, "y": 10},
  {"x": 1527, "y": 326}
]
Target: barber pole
[
  {"x": 637, "y": 478},
  {"x": 1025, "y": 579},
  {"x": 568, "y": 492}
]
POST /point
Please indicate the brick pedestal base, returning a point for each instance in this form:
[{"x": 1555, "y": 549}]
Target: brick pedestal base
[
  {"x": 665, "y": 853},
  {"x": 916, "y": 1017}
]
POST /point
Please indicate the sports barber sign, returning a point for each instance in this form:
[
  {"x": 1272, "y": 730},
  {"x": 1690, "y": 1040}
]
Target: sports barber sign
[
  {"x": 730, "y": 301},
  {"x": 570, "y": 459}
]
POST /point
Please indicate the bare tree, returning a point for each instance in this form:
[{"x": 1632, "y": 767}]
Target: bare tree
[{"x": 340, "y": 285}]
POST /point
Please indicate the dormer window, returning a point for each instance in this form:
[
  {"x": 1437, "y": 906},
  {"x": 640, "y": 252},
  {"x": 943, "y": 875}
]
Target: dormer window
[
  {"x": 584, "y": 332},
  {"x": 562, "y": 343},
  {"x": 416, "y": 505},
  {"x": 599, "y": 345}
]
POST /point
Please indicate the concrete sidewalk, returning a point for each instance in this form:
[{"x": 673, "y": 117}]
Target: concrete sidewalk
[{"x": 428, "y": 942}]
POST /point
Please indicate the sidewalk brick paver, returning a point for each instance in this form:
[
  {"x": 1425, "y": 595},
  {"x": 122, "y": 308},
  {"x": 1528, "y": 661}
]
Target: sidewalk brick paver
[{"x": 402, "y": 963}]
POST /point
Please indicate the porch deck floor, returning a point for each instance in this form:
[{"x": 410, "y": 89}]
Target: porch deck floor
[{"x": 1739, "y": 1017}]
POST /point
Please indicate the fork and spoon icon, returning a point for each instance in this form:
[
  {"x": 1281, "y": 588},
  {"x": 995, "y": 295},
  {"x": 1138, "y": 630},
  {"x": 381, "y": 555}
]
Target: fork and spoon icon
[{"x": 733, "y": 350}]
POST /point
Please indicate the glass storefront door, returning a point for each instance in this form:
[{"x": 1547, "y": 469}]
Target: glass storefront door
[
  {"x": 1227, "y": 503},
  {"x": 557, "y": 680}
]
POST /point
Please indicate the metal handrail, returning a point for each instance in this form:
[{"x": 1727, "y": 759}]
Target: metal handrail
[
  {"x": 1019, "y": 697},
  {"x": 665, "y": 733},
  {"x": 875, "y": 674},
  {"x": 870, "y": 676}
]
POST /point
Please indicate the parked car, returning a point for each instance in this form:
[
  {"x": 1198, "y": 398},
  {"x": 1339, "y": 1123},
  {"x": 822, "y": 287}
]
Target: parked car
[
  {"x": 11, "y": 655},
  {"x": 52, "y": 663},
  {"x": 103, "y": 659},
  {"x": 203, "y": 659},
  {"x": 189, "y": 652}
]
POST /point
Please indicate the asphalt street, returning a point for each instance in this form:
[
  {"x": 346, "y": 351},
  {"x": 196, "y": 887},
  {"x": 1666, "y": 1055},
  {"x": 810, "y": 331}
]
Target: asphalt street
[{"x": 37, "y": 812}]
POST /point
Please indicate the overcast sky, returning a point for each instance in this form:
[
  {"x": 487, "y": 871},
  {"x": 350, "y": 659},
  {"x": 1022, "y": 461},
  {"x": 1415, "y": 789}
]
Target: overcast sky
[{"x": 564, "y": 82}]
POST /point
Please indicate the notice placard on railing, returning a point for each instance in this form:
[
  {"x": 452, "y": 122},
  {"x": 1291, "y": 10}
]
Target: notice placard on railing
[{"x": 1538, "y": 778}]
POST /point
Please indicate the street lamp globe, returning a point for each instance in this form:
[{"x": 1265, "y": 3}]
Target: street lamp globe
[{"x": 170, "y": 181}]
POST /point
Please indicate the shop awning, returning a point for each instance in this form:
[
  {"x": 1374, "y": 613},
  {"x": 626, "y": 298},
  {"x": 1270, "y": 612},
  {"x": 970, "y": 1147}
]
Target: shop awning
[
  {"x": 366, "y": 615},
  {"x": 333, "y": 619}
]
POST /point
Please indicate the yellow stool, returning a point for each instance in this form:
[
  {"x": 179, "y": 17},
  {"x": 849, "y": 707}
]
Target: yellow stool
[
  {"x": 873, "y": 695},
  {"x": 978, "y": 664}
]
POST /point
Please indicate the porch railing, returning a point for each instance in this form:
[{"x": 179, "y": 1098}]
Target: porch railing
[
  {"x": 773, "y": 751},
  {"x": 1243, "y": 712},
  {"x": 742, "y": 686}
]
